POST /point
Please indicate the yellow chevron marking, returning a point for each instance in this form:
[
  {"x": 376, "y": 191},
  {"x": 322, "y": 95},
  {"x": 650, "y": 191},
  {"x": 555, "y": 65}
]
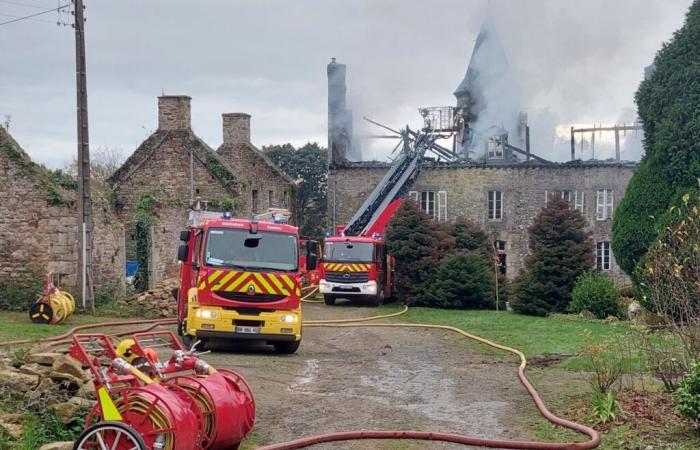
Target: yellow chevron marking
[
  {"x": 214, "y": 275},
  {"x": 222, "y": 282},
  {"x": 265, "y": 285},
  {"x": 239, "y": 280},
  {"x": 289, "y": 282},
  {"x": 298, "y": 292},
  {"x": 278, "y": 283},
  {"x": 201, "y": 285}
]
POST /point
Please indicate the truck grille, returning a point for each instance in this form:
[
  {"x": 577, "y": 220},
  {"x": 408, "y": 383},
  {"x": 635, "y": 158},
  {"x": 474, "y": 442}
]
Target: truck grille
[
  {"x": 347, "y": 277},
  {"x": 243, "y": 297}
]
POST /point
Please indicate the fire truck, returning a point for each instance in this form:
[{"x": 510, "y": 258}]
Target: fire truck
[
  {"x": 241, "y": 280},
  {"x": 355, "y": 261}
]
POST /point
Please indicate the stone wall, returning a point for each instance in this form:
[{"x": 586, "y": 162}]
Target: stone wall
[
  {"x": 523, "y": 189},
  {"x": 265, "y": 185},
  {"x": 38, "y": 226}
]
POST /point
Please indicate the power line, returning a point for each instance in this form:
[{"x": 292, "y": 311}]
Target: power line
[
  {"x": 34, "y": 15},
  {"x": 34, "y": 20},
  {"x": 27, "y": 5}
]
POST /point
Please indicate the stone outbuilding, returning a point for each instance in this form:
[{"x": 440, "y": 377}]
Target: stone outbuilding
[
  {"x": 174, "y": 166},
  {"x": 266, "y": 186},
  {"x": 171, "y": 167},
  {"x": 38, "y": 228}
]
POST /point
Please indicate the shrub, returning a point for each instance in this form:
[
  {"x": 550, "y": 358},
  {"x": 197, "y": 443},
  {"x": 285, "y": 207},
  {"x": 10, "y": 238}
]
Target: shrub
[
  {"x": 417, "y": 244},
  {"x": 605, "y": 405},
  {"x": 596, "y": 293},
  {"x": 561, "y": 250},
  {"x": 687, "y": 396},
  {"x": 667, "y": 106},
  {"x": 463, "y": 281},
  {"x": 19, "y": 298}
]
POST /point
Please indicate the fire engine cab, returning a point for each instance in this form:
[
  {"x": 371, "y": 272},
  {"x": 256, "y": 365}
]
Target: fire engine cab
[
  {"x": 240, "y": 279},
  {"x": 355, "y": 267}
]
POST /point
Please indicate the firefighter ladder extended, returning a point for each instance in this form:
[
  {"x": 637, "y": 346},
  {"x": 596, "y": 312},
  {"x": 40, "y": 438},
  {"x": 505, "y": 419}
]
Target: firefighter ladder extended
[{"x": 397, "y": 181}]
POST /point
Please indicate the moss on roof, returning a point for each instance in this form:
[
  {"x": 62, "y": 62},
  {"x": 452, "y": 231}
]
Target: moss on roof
[
  {"x": 214, "y": 164},
  {"x": 57, "y": 184}
]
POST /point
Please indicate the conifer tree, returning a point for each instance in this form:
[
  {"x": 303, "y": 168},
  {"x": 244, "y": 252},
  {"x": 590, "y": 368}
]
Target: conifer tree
[
  {"x": 560, "y": 251},
  {"x": 417, "y": 245}
]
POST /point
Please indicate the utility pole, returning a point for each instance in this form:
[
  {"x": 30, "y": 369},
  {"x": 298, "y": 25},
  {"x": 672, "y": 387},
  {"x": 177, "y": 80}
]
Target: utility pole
[{"x": 84, "y": 203}]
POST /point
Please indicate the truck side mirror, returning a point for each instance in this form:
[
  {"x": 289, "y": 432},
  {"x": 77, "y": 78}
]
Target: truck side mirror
[
  {"x": 185, "y": 235},
  {"x": 312, "y": 247},
  {"x": 311, "y": 261},
  {"x": 182, "y": 253}
]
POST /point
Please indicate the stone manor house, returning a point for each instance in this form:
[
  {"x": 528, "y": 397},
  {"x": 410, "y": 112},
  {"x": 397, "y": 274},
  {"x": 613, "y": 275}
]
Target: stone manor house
[
  {"x": 493, "y": 187},
  {"x": 173, "y": 166}
]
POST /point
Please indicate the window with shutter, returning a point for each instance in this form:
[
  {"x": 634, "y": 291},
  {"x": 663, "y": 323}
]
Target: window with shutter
[{"x": 442, "y": 206}]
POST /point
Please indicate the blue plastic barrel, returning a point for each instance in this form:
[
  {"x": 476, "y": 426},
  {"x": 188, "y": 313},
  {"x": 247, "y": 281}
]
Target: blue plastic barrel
[{"x": 131, "y": 267}]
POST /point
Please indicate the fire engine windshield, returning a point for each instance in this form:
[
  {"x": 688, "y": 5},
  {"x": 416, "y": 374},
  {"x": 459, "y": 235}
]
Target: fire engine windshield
[
  {"x": 261, "y": 251},
  {"x": 348, "y": 251}
]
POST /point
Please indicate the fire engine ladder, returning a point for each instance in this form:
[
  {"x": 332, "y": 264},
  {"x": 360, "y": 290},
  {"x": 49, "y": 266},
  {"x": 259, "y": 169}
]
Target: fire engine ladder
[{"x": 395, "y": 183}]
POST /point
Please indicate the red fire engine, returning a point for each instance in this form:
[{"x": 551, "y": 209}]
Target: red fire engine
[{"x": 241, "y": 279}]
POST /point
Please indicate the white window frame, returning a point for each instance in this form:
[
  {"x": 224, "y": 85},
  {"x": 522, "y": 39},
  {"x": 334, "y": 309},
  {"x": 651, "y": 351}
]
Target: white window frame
[
  {"x": 563, "y": 195},
  {"x": 494, "y": 149},
  {"x": 605, "y": 198},
  {"x": 602, "y": 256},
  {"x": 579, "y": 202},
  {"x": 428, "y": 203},
  {"x": 442, "y": 206},
  {"x": 413, "y": 195},
  {"x": 495, "y": 206}
]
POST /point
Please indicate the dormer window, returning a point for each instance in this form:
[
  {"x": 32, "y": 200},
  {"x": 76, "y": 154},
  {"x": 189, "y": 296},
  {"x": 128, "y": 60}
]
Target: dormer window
[{"x": 495, "y": 148}]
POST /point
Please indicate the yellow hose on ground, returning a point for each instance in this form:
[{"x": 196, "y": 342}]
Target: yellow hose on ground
[
  {"x": 359, "y": 319},
  {"x": 314, "y": 289}
]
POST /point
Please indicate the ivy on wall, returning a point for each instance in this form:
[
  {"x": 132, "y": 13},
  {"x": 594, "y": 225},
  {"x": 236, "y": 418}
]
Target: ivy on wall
[{"x": 143, "y": 222}]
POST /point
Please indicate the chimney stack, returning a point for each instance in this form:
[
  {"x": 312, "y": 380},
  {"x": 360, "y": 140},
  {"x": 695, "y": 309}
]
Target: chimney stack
[
  {"x": 236, "y": 128},
  {"x": 174, "y": 112}
]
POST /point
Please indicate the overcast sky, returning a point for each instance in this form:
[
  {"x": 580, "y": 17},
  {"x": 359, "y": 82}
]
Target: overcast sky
[{"x": 579, "y": 61}]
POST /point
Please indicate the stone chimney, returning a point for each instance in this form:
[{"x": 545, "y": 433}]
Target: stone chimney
[
  {"x": 174, "y": 112},
  {"x": 236, "y": 128}
]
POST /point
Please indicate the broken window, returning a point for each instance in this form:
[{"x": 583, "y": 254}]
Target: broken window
[
  {"x": 602, "y": 260},
  {"x": 604, "y": 204},
  {"x": 495, "y": 148},
  {"x": 495, "y": 205},
  {"x": 427, "y": 203},
  {"x": 442, "y": 206}
]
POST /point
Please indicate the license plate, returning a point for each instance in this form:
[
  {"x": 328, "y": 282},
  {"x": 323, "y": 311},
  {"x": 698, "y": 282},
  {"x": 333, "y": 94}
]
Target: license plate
[{"x": 247, "y": 330}]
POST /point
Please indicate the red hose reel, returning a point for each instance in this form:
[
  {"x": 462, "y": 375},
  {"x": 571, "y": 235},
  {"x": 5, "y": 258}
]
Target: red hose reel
[{"x": 143, "y": 404}]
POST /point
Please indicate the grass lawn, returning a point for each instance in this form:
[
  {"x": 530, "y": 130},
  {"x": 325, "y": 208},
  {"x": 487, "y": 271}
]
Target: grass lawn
[
  {"x": 534, "y": 336},
  {"x": 16, "y": 325}
]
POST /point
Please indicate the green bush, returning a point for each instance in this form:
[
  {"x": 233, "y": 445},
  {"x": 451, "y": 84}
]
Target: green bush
[
  {"x": 561, "y": 250},
  {"x": 687, "y": 395},
  {"x": 463, "y": 281},
  {"x": 596, "y": 293},
  {"x": 19, "y": 298},
  {"x": 667, "y": 103}
]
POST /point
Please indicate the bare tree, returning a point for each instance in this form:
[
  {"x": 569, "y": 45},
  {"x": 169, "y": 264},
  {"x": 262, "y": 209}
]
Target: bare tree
[{"x": 104, "y": 161}]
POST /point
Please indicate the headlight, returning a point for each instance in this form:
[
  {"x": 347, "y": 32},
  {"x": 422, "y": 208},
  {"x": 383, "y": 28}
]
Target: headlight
[
  {"x": 288, "y": 318},
  {"x": 370, "y": 288},
  {"x": 205, "y": 314},
  {"x": 324, "y": 286}
]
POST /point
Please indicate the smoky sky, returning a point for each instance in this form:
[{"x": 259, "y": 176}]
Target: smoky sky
[{"x": 575, "y": 62}]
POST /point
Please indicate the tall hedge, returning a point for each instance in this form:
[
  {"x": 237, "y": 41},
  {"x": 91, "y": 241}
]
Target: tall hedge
[
  {"x": 668, "y": 103},
  {"x": 417, "y": 246},
  {"x": 560, "y": 251}
]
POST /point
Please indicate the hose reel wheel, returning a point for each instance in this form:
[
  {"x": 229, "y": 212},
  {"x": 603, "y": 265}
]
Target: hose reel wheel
[
  {"x": 40, "y": 312},
  {"x": 109, "y": 436}
]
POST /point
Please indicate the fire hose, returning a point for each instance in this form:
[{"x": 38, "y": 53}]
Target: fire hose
[{"x": 592, "y": 442}]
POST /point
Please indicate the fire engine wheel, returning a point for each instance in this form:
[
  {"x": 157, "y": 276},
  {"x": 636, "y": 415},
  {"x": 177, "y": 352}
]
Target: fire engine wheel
[
  {"x": 329, "y": 299},
  {"x": 286, "y": 348},
  {"x": 108, "y": 436},
  {"x": 378, "y": 300}
]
